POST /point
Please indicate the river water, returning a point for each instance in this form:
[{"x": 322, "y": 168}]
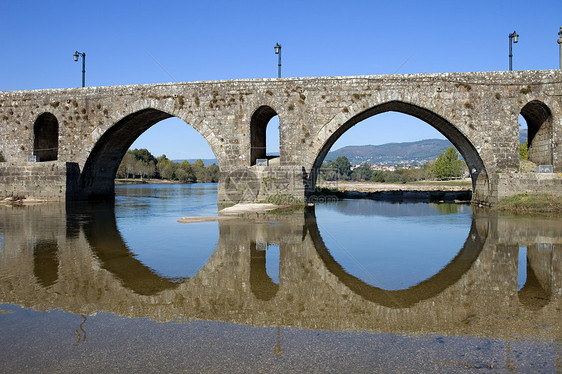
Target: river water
[{"x": 347, "y": 286}]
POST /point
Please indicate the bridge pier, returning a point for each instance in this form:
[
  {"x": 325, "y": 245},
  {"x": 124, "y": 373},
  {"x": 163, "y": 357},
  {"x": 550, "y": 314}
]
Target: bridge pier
[
  {"x": 51, "y": 181},
  {"x": 262, "y": 183}
]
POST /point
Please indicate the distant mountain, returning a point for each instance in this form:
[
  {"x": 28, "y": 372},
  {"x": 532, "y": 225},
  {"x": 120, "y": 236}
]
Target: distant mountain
[
  {"x": 206, "y": 161},
  {"x": 391, "y": 153}
]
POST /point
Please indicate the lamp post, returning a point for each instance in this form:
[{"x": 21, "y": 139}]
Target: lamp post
[
  {"x": 560, "y": 45},
  {"x": 278, "y": 52},
  {"x": 76, "y": 56},
  {"x": 513, "y": 37}
]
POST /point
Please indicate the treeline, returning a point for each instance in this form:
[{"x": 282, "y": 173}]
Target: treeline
[
  {"x": 446, "y": 166},
  {"x": 140, "y": 163}
]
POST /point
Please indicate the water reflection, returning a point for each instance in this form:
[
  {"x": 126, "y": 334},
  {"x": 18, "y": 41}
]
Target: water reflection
[
  {"x": 45, "y": 262},
  {"x": 431, "y": 287},
  {"x": 100, "y": 229},
  {"x": 76, "y": 260}
]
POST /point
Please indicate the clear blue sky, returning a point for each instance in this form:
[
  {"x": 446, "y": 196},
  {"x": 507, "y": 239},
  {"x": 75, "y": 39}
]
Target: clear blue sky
[{"x": 132, "y": 42}]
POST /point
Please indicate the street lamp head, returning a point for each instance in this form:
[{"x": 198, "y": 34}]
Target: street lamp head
[
  {"x": 514, "y": 36},
  {"x": 277, "y": 48},
  {"x": 76, "y": 54}
]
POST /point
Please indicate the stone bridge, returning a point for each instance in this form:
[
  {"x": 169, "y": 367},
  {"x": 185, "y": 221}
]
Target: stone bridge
[
  {"x": 80, "y": 135},
  {"x": 75, "y": 259}
]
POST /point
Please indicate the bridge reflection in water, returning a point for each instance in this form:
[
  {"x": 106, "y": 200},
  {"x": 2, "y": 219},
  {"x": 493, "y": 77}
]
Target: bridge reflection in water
[{"x": 80, "y": 263}]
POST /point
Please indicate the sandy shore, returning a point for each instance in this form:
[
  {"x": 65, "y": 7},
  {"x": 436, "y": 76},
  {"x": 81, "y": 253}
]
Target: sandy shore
[{"x": 232, "y": 212}]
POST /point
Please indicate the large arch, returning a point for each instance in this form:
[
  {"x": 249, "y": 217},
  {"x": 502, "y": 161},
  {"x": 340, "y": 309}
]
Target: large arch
[
  {"x": 540, "y": 132},
  {"x": 98, "y": 175},
  {"x": 46, "y": 137},
  {"x": 453, "y": 134}
]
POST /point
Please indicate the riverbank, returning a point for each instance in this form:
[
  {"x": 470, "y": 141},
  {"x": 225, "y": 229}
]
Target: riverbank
[
  {"x": 449, "y": 191},
  {"x": 144, "y": 181},
  {"x": 528, "y": 204}
]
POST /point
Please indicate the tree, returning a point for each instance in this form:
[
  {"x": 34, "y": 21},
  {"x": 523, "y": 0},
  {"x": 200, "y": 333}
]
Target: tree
[
  {"x": 214, "y": 173},
  {"x": 362, "y": 173},
  {"x": 524, "y": 150},
  {"x": 127, "y": 166},
  {"x": 144, "y": 155},
  {"x": 342, "y": 167},
  {"x": 448, "y": 165},
  {"x": 184, "y": 173},
  {"x": 199, "y": 163}
]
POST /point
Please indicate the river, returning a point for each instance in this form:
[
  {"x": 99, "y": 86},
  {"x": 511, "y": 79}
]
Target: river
[{"x": 346, "y": 286}]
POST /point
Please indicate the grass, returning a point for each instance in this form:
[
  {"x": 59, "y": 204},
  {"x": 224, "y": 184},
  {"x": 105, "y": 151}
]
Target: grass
[{"x": 531, "y": 204}]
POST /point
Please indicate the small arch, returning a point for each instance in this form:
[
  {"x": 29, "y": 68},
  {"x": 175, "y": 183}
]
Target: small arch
[
  {"x": 46, "y": 137},
  {"x": 258, "y": 133},
  {"x": 539, "y": 137}
]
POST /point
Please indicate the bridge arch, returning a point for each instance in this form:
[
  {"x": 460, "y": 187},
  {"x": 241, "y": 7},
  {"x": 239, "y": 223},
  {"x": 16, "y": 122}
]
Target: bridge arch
[
  {"x": 46, "y": 137},
  {"x": 540, "y": 132},
  {"x": 99, "y": 171},
  {"x": 258, "y": 125},
  {"x": 336, "y": 129}
]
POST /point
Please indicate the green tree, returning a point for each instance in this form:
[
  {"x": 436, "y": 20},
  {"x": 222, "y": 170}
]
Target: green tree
[
  {"x": 448, "y": 165},
  {"x": 362, "y": 173},
  {"x": 524, "y": 150},
  {"x": 127, "y": 167},
  {"x": 201, "y": 174},
  {"x": 199, "y": 163},
  {"x": 342, "y": 167},
  {"x": 184, "y": 173},
  {"x": 214, "y": 173},
  {"x": 379, "y": 176},
  {"x": 144, "y": 155}
]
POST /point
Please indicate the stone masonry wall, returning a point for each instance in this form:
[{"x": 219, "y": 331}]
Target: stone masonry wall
[
  {"x": 508, "y": 184},
  {"x": 43, "y": 181}
]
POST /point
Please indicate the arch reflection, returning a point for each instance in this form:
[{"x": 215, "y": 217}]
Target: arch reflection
[
  {"x": 403, "y": 298},
  {"x": 100, "y": 228}
]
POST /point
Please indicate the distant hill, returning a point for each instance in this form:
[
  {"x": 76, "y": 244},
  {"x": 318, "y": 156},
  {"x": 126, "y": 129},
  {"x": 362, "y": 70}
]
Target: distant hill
[
  {"x": 206, "y": 161},
  {"x": 523, "y": 135},
  {"x": 420, "y": 151}
]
